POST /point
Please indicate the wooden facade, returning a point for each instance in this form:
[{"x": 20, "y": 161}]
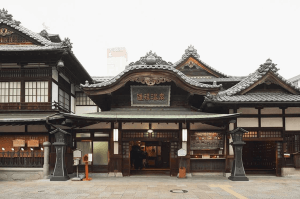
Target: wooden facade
[{"x": 153, "y": 105}]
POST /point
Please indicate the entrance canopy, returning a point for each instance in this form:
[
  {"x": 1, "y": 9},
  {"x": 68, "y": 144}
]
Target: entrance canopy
[{"x": 154, "y": 115}]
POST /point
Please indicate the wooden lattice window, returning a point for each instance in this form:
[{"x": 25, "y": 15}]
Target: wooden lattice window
[
  {"x": 36, "y": 91},
  {"x": 165, "y": 135},
  {"x": 250, "y": 134},
  {"x": 126, "y": 150},
  {"x": 174, "y": 149},
  {"x": 270, "y": 134},
  {"x": 83, "y": 99},
  {"x": 10, "y": 92},
  {"x": 135, "y": 135},
  {"x": 292, "y": 143}
]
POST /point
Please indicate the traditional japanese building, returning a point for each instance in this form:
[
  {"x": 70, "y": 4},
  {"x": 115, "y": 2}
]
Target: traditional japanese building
[
  {"x": 38, "y": 78},
  {"x": 154, "y": 106},
  {"x": 163, "y": 107}
]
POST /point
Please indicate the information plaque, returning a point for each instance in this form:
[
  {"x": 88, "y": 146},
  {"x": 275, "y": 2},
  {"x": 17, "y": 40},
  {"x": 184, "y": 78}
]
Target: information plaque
[{"x": 150, "y": 95}]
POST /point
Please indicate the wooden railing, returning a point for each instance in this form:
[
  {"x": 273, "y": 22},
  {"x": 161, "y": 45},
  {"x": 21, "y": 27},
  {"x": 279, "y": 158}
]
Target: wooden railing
[
  {"x": 41, "y": 72},
  {"x": 22, "y": 159},
  {"x": 33, "y": 106}
]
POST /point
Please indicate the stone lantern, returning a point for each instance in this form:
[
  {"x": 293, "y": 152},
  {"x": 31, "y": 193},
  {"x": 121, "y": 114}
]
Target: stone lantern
[
  {"x": 238, "y": 172},
  {"x": 60, "y": 171}
]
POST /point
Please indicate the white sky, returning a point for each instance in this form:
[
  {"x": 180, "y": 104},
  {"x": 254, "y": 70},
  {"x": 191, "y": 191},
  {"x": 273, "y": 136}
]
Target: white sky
[{"x": 233, "y": 36}]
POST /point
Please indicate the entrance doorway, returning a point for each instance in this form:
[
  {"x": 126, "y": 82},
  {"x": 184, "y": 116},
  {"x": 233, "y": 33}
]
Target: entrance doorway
[
  {"x": 99, "y": 149},
  {"x": 149, "y": 157},
  {"x": 259, "y": 157}
]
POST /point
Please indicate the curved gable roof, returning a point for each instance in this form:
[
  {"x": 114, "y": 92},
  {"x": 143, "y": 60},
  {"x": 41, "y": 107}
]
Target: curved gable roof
[
  {"x": 266, "y": 71},
  {"x": 147, "y": 67},
  {"x": 191, "y": 53}
]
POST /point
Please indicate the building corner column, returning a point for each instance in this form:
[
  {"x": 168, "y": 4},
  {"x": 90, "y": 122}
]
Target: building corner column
[{"x": 46, "y": 159}]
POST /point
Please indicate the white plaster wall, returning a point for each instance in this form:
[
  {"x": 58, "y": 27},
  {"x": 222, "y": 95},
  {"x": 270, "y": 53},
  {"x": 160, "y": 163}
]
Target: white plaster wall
[
  {"x": 4, "y": 129},
  {"x": 100, "y": 125},
  {"x": 73, "y": 104},
  {"x": 292, "y": 123},
  {"x": 231, "y": 126},
  {"x": 247, "y": 122},
  {"x": 247, "y": 110},
  {"x": 54, "y": 74},
  {"x": 271, "y": 122},
  {"x": 165, "y": 126},
  {"x": 73, "y": 89},
  {"x": 54, "y": 92},
  {"x": 271, "y": 111},
  {"x": 85, "y": 109},
  {"x": 135, "y": 125},
  {"x": 63, "y": 76},
  {"x": 199, "y": 126},
  {"x": 292, "y": 110},
  {"x": 36, "y": 128}
]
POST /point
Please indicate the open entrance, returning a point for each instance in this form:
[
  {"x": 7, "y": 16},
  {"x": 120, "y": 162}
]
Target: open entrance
[
  {"x": 149, "y": 157},
  {"x": 259, "y": 157}
]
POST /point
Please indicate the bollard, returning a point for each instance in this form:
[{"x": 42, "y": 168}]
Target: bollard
[{"x": 46, "y": 159}]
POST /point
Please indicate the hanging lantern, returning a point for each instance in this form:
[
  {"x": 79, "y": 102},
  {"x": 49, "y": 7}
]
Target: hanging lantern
[{"x": 60, "y": 63}]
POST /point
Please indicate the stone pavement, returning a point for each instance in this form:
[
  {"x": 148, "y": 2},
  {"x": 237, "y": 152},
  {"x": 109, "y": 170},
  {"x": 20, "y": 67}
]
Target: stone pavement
[{"x": 154, "y": 187}]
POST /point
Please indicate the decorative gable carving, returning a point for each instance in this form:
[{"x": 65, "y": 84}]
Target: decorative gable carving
[
  {"x": 150, "y": 81},
  {"x": 192, "y": 67},
  {"x": 9, "y": 37}
]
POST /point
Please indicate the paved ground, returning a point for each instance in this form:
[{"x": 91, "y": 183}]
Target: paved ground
[{"x": 154, "y": 187}]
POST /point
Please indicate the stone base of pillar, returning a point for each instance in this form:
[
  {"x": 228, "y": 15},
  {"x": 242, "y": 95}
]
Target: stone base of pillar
[
  {"x": 59, "y": 178},
  {"x": 119, "y": 174},
  {"x": 188, "y": 175},
  {"x": 226, "y": 175},
  {"x": 238, "y": 178}
]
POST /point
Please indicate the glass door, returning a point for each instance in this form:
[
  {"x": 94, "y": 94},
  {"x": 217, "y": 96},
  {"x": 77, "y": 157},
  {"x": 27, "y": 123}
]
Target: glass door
[{"x": 100, "y": 156}]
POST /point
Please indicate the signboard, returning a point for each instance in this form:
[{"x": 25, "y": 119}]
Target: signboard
[
  {"x": 181, "y": 152},
  {"x": 90, "y": 159},
  {"x": 18, "y": 143},
  {"x": 33, "y": 143},
  {"x": 150, "y": 95},
  {"x": 77, "y": 154},
  {"x": 207, "y": 141}
]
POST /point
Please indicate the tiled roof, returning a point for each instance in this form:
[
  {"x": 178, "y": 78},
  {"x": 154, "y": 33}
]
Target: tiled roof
[
  {"x": 150, "y": 113},
  {"x": 259, "y": 97},
  {"x": 29, "y": 33},
  {"x": 139, "y": 66},
  {"x": 98, "y": 79},
  {"x": 27, "y": 47},
  {"x": 225, "y": 79},
  {"x": 191, "y": 51},
  {"x": 254, "y": 77}
]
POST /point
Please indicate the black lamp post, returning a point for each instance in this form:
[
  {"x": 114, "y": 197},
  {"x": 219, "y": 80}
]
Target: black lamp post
[
  {"x": 60, "y": 171},
  {"x": 238, "y": 172}
]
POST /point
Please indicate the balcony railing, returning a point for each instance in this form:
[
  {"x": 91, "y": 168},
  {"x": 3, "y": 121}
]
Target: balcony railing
[
  {"x": 22, "y": 159},
  {"x": 41, "y": 72},
  {"x": 33, "y": 106}
]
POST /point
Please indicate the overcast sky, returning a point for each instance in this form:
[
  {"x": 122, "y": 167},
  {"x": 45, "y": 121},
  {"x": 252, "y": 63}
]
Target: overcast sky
[{"x": 233, "y": 36}]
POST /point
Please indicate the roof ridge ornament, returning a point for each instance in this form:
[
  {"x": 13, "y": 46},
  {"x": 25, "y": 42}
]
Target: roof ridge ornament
[
  {"x": 45, "y": 34},
  {"x": 268, "y": 65},
  {"x": 8, "y": 17},
  {"x": 151, "y": 59},
  {"x": 67, "y": 43},
  {"x": 190, "y": 51}
]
